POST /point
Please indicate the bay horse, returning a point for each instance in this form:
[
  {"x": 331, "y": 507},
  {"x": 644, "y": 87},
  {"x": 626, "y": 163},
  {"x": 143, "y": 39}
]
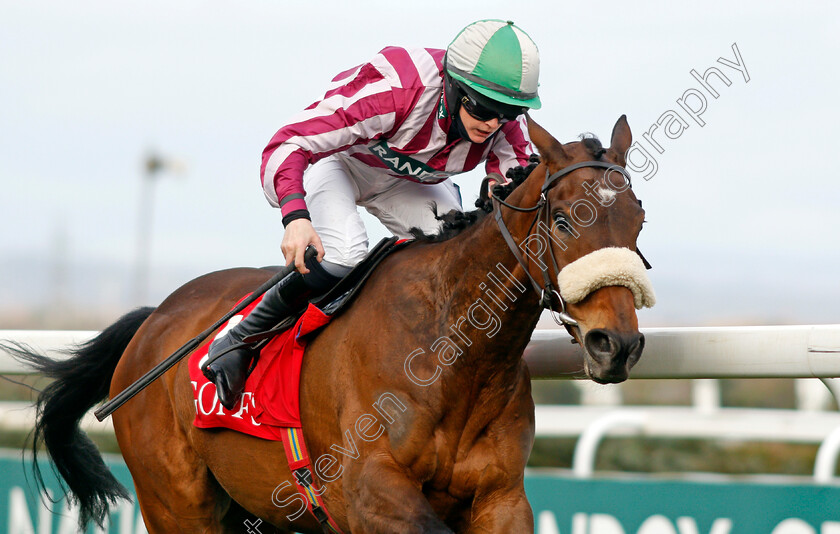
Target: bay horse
[{"x": 416, "y": 402}]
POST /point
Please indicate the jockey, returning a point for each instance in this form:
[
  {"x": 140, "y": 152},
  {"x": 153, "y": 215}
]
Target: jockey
[{"x": 387, "y": 136}]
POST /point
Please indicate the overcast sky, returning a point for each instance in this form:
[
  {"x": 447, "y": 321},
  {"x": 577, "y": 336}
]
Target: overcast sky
[{"x": 743, "y": 213}]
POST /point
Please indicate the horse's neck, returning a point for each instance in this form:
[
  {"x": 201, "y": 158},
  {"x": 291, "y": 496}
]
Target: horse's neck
[{"x": 493, "y": 307}]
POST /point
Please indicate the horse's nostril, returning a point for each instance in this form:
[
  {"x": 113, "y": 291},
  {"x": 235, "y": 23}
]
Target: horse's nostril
[
  {"x": 599, "y": 344},
  {"x": 635, "y": 348},
  {"x": 634, "y": 343}
]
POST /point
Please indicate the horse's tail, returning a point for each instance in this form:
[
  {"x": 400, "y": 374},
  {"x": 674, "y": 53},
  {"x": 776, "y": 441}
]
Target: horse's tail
[{"x": 81, "y": 381}]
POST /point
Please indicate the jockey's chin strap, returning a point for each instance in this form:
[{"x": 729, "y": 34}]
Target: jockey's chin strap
[{"x": 548, "y": 291}]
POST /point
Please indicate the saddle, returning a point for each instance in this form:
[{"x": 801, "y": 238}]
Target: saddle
[{"x": 341, "y": 295}]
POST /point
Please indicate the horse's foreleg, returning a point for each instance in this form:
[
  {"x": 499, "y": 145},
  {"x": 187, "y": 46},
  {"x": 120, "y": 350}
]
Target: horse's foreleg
[
  {"x": 499, "y": 504},
  {"x": 501, "y": 512},
  {"x": 383, "y": 500}
]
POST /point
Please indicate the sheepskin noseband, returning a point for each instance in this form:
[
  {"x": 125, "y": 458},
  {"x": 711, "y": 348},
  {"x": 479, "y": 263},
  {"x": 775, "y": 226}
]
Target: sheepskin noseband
[{"x": 611, "y": 266}]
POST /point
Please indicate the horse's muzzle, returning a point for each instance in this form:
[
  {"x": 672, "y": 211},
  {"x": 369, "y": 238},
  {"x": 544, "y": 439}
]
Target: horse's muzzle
[{"x": 612, "y": 354}]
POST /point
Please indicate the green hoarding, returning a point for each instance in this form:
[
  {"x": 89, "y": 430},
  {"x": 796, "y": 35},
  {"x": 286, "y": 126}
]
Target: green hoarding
[
  {"x": 22, "y": 511},
  {"x": 561, "y": 505},
  {"x": 599, "y": 506}
]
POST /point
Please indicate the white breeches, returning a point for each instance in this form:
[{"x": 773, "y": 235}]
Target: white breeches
[{"x": 335, "y": 186}]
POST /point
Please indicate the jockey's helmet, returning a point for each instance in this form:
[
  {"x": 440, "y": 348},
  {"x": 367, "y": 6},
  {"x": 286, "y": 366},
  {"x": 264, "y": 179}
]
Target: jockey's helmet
[{"x": 492, "y": 66}]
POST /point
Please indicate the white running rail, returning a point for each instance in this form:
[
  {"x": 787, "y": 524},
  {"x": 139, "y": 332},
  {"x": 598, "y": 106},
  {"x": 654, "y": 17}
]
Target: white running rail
[{"x": 803, "y": 351}]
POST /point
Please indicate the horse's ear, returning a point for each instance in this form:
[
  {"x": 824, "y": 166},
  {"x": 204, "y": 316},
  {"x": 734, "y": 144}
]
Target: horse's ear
[
  {"x": 548, "y": 147},
  {"x": 620, "y": 140}
]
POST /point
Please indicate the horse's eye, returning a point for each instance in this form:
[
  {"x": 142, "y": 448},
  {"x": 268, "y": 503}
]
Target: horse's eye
[{"x": 561, "y": 223}]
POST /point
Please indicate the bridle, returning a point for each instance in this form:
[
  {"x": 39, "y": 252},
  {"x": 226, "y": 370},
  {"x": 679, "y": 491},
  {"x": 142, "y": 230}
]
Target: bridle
[{"x": 548, "y": 289}]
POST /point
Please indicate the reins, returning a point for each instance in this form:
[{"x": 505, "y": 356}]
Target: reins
[{"x": 548, "y": 288}]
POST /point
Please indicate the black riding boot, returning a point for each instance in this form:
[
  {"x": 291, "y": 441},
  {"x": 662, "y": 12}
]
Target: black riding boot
[{"x": 230, "y": 370}]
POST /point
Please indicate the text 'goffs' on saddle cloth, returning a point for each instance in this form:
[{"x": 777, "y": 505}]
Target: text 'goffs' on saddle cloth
[
  {"x": 270, "y": 405},
  {"x": 271, "y": 401}
]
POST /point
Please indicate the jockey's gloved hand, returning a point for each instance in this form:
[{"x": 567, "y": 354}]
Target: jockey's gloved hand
[{"x": 300, "y": 234}]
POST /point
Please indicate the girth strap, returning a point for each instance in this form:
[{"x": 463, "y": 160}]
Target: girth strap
[{"x": 300, "y": 464}]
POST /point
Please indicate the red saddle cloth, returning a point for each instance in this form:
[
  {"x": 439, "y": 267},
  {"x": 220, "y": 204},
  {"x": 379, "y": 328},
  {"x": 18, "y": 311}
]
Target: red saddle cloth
[{"x": 271, "y": 401}]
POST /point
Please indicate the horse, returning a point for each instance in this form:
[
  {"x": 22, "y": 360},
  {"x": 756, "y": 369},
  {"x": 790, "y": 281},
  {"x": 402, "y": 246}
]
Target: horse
[{"x": 415, "y": 401}]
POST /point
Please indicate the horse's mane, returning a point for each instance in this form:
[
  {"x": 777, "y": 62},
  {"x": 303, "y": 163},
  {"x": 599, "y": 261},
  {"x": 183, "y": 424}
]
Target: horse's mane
[
  {"x": 454, "y": 222},
  {"x": 593, "y": 145}
]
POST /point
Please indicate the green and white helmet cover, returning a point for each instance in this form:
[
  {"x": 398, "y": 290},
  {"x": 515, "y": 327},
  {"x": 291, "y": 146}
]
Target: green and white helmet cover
[{"x": 498, "y": 60}]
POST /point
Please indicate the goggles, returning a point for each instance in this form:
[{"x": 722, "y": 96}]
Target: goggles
[{"x": 483, "y": 113}]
